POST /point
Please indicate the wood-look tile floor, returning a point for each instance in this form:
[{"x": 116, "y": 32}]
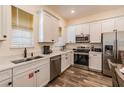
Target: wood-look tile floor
[{"x": 75, "y": 77}]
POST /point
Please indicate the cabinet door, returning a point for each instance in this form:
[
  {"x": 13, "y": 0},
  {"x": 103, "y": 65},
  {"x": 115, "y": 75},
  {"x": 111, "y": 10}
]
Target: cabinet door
[
  {"x": 119, "y": 23},
  {"x": 71, "y": 34},
  {"x": 0, "y": 20},
  {"x": 95, "y": 61},
  {"x": 78, "y": 29},
  {"x": 108, "y": 25},
  {"x": 25, "y": 79},
  {"x": 86, "y": 28},
  {"x": 72, "y": 58},
  {"x": 6, "y": 83},
  {"x": 95, "y": 32},
  {"x": 82, "y": 29},
  {"x": 43, "y": 75},
  {"x": 68, "y": 59},
  {"x": 63, "y": 63},
  {"x": 54, "y": 29},
  {"x": 47, "y": 32}
]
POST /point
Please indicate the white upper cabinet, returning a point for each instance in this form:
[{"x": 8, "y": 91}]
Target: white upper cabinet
[
  {"x": 119, "y": 23},
  {"x": 108, "y": 25},
  {"x": 82, "y": 29},
  {"x": 95, "y": 32},
  {"x": 0, "y": 20},
  {"x": 48, "y": 27},
  {"x": 3, "y": 21},
  {"x": 71, "y": 34},
  {"x": 78, "y": 29}
]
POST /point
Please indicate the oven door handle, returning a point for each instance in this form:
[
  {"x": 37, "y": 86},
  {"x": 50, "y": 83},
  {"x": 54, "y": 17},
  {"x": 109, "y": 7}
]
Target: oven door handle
[{"x": 82, "y": 53}]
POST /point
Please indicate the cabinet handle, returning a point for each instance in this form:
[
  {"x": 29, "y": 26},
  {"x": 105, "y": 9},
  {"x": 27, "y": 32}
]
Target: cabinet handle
[
  {"x": 94, "y": 55},
  {"x": 52, "y": 40},
  {"x": 10, "y": 83},
  {"x": 4, "y": 36},
  {"x": 38, "y": 70}
]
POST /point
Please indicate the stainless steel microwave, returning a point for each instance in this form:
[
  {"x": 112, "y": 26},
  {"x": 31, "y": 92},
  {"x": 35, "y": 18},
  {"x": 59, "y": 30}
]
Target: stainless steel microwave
[{"x": 83, "y": 38}]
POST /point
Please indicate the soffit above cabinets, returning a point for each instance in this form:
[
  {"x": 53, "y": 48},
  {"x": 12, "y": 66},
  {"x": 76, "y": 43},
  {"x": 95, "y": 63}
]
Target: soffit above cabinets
[{"x": 80, "y": 10}]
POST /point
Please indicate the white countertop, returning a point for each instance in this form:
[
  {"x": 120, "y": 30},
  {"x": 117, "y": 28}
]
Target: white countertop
[{"x": 7, "y": 64}]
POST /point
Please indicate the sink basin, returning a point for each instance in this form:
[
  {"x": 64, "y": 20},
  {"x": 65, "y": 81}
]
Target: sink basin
[
  {"x": 18, "y": 61},
  {"x": 36, "y": 57},
  {"x": 26, "y": 60}
]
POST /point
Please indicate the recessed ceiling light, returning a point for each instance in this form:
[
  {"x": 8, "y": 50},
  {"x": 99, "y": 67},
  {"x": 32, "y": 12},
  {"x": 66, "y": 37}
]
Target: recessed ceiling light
[{"x": 72, "y": 11}]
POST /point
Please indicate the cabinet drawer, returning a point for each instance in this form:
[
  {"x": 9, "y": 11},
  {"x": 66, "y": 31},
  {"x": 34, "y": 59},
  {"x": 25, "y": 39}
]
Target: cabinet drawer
[{"x": 5, "y": 74}]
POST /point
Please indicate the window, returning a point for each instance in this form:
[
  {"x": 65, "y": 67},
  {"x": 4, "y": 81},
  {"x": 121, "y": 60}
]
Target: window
[{"x": 22, "y": 28}]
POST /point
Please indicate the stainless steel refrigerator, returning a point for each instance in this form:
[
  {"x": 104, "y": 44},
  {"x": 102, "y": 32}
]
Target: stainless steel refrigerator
[{"x": 113, "y": 43}]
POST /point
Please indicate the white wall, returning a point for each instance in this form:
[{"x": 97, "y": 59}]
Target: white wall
[{"x": 5, "y": 49}]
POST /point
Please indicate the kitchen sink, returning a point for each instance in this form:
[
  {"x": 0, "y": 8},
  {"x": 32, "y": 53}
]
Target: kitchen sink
[{"x": 26, "y": 59}]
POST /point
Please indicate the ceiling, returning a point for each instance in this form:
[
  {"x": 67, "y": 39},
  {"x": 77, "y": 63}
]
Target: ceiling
[{"x": 80, "y": 10}]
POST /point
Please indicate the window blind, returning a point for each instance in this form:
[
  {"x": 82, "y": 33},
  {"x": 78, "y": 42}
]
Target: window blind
[{"x": 22, "y": 28}]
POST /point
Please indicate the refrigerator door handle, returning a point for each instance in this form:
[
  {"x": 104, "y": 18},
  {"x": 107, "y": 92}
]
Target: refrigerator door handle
[
  {"x": 115, "y": 46},
  {"x": 114, "y": 50}
]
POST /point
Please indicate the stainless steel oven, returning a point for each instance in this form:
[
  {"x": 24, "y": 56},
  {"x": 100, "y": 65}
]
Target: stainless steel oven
[
  {"x": 83, "y": 38},
  {"x": 81, "y": 58}
]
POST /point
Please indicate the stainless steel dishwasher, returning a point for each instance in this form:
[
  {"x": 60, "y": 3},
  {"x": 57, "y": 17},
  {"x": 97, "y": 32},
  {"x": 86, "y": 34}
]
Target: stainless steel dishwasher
[{"x": 55, "y": 66}]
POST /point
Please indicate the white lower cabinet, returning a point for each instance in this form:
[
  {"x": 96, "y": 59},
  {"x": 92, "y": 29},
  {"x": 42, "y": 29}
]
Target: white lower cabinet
[
  {"x": 6, "y": 78},
  {"x": 37, "y": 75},
  {"x": 6, "y": 83},
  {"x": 43, "y": 75},
  {"x": 66, "y": 61},
  {"x": 63, "y": 62},
  {"x": 95, "y": 61},
  {"x": 25, "y": 79}
]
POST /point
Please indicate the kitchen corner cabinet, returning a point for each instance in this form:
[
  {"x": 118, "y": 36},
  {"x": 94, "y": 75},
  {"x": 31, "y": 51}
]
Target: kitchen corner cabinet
[
  {"x": 95, "y": 32},
  {"x": 35, "y": 74},
  {"x": 6, "y": 78},
  {"x": 48, "y": 27},
  {"x": 71, "y": 34}
]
